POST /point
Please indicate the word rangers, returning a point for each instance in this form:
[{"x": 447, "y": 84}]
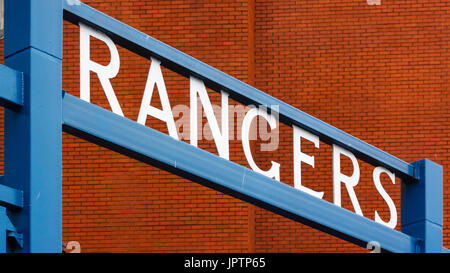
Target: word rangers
[{"x": 221, "y": 136}]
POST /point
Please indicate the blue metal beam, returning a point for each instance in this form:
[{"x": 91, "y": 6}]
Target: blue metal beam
[
  {"x": 422, "y": 205},
  {"x": 11, "y": 88},
  {"x": 9, "y": 197},
  {"x": 33, "y": 135},
  {"x": 8, "y": 230},
  {"x": 146, "y": 46},
  {"x": 125, "y": 136},
  {"x": 3, "y": 232}
]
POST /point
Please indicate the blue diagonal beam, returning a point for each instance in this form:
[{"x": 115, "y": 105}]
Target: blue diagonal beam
[
  {"x": 146, "y": 46},
  {"x": 10, "y": 197},
  {"x": 9, "y": 229},
  {"x": 11, "y": 88},
  {"x": 125, "y": 136}
]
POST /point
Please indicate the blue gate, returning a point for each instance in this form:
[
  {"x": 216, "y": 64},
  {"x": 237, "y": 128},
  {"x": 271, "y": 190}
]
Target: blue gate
[{"x": 37, "y": 111}]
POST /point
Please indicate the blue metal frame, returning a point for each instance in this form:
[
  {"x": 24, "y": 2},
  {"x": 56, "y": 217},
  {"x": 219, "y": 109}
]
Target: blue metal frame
[
  {"x": 30, "y": 191},
  {"x": 11, "y": 84},
  {"x": 33, "y": 135},
  {"x": 422, "y": 211},
  {"x": 10, "y": 197},
  {"x": 3, "y": 224},
  {"x": 105, "y": 128}
]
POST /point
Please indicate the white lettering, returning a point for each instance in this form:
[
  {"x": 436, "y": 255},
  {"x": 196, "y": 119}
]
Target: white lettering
[
  {"x": 155, "y": 77},
  {"x": 221, "y": 139},
  {"x": 349, "y": 181},
  {"x": 393, "y": 211},
  {"x": 274, "y": 171},
  {"x": 300, "y": 157},
  {"x": 104, "y": 73}
]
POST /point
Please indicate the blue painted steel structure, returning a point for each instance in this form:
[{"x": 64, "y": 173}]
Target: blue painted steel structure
[
  {"x": 30, "y": 195},
  {"x": 422, "y": 212},
  {"x": 11, "y": 84},
  {"x": 105, "y": 128},
  {"x": 33, "y": 46},
  {"x": 10, "y": 197}
]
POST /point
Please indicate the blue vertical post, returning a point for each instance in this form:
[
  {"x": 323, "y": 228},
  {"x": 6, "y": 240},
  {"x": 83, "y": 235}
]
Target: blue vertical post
[
  {"x": 3, "y": 229},
  {"x": 422, "y": 206},
  {"x": 33, "y": 45}
]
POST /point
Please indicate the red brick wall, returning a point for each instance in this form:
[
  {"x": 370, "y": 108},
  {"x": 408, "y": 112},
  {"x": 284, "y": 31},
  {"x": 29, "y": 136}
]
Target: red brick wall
[
  {"x": 379, "y": 73},
  {"x": 113, "y": 203}
]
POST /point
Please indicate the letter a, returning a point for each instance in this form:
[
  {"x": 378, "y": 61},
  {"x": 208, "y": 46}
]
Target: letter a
[{"x": 155, "y": 77}]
